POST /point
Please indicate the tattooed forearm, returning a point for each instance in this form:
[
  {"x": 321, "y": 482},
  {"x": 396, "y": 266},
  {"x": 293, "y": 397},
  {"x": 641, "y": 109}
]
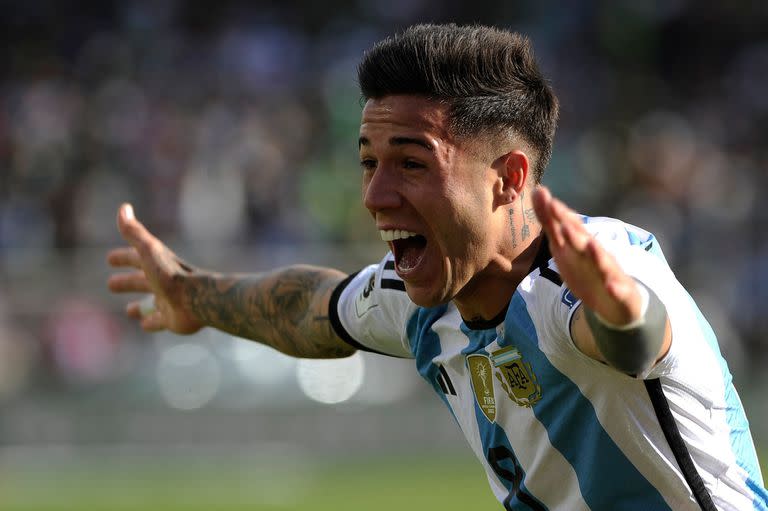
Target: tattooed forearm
[{"x": 283, "y": 309}]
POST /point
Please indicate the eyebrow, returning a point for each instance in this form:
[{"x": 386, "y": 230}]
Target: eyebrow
[{"x": 400, "y": 141}]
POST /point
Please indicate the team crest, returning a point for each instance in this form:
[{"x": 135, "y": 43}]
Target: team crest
[
  {"x": 516, "y": 376},
  {"x": 482, "y": 384}
]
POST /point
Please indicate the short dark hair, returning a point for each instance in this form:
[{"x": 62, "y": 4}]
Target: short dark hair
[{"x": 488, "y": 77}]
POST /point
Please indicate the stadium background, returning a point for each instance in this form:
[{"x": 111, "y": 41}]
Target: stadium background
[{"x": 232, "y": 128}]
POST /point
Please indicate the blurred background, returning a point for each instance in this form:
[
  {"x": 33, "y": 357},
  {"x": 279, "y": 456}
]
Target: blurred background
[{"x": 232, "y": 128}]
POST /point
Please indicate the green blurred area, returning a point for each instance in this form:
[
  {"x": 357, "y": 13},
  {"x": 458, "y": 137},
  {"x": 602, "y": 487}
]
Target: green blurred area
[
  {"x": 445, "y": 483},
  {"x": 449, "y": 483}
]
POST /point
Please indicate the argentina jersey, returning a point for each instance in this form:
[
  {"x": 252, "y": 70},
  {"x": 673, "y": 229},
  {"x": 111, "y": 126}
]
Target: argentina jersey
[{"x": 553, "y": 428}]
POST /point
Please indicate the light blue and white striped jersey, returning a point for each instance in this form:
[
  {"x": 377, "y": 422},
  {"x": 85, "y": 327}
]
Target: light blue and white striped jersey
[{"x": 555, "y": 429}]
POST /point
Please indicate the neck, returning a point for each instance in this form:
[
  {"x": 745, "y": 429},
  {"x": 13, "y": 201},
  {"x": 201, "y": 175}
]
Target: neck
[{"x": 489, "y": 292}]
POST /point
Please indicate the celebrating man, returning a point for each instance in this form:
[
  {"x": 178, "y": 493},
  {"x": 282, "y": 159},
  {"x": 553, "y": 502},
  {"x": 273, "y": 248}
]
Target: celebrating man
[{"x": 580, "y": 371}]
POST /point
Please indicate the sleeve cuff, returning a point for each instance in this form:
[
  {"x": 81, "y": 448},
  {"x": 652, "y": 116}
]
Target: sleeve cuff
[{"x": 336, "y": 324}]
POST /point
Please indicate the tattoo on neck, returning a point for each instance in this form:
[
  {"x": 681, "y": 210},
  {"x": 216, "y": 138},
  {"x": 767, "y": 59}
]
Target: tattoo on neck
[
  {"x": 526, "y": 230},
  {"x": 511, "y": 214},
  {"x": 530, "y": 214}
]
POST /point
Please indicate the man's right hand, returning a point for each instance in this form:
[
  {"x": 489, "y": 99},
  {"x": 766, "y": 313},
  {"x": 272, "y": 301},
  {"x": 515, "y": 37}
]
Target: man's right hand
[{"x": 158, "y": 271}]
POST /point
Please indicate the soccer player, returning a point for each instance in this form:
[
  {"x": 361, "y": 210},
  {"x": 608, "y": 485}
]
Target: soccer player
[{"x": 581, "y": 372}]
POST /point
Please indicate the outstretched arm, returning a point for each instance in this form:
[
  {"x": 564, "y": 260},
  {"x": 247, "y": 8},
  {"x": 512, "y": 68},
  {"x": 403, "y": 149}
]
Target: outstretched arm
[
  {"x": 286, "y": 308},
  {"x": 615, "y": 323}
]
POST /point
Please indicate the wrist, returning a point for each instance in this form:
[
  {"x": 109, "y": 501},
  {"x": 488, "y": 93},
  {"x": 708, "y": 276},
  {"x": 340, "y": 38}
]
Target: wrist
[
  {"x": 633, "y": 347},
  {"x": 639, "y": 320}
]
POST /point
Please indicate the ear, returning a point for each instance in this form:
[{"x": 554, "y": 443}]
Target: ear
[{"x": 512, "y": 173}]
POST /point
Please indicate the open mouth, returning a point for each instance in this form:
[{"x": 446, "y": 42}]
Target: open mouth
[{"x": 408, "y": 248}]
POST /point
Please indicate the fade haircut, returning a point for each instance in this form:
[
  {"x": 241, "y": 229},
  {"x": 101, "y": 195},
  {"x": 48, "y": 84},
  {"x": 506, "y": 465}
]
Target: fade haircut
[{"x": 488, "y": 78}]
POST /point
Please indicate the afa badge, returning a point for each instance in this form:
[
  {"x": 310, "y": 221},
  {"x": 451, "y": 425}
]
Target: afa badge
[{"x": 516, "y": 376}]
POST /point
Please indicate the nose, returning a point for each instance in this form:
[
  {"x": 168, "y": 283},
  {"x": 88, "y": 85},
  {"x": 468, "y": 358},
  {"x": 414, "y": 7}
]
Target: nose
[{"x": 381, "y": 190}]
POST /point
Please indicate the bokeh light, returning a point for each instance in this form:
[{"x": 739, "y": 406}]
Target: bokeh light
[
  {"x": 331, "y": 381},
  {"x": 188, "y": 375}
]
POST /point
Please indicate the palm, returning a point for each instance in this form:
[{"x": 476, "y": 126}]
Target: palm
[
  {"x": 590, "y": 272},
  {"x": 155, "y": 267}
]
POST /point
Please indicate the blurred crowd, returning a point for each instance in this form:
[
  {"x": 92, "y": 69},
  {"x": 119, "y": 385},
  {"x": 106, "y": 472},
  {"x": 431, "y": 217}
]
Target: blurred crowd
[{"x": 232, "y": 126}]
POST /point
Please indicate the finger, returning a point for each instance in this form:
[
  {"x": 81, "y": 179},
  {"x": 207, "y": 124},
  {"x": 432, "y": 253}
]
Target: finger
[
  {"x": 554, "y": 229},
  {"x": 621, "y": 289},
  {"x": 154, "y": 322},
  {"x": 627, "y": 300},
  {"x": 575, "y": 236},
  {"x": 132, "y": 230},
  {"x": 570, "y": 224},
  {"x": 124, "y": 256},
  {"x": 542, "y": 202},
  {"x": 561, "y": 212},
  {"x": 133, "y": 309},
  {"x": 139, "y": 309},
  {"x": 603, "y": 261},
  {"x": 541, "y": 198},
  {"x": 134, "y": 282}
]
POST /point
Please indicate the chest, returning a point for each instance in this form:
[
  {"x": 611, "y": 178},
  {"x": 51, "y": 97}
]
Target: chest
[{"x": 493, "y": 376}]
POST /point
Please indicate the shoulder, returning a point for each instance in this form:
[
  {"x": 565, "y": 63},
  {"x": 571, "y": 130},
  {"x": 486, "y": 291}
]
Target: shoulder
[
  {"x": 608, "y": 229},
  {"x": 621, "y": 238},
  {"x": 375, "y": 293},
  {"x": 370, "y": 309},
  {"x": 378, "y": 285}
]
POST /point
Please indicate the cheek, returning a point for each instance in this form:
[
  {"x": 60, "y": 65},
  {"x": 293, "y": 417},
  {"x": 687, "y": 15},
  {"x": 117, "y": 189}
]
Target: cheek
[{"x": 471, "y": 217}]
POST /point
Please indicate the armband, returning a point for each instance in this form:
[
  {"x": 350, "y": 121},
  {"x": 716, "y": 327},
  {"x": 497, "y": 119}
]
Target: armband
[{"x": 633, "y": 347}]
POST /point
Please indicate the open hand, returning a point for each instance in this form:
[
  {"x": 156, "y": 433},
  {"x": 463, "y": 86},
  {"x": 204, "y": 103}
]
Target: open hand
[
  {"x": 157, "y": 271},
  {"x": 590, "y": 272}
]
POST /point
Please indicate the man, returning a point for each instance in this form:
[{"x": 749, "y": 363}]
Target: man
[{"x": 580, "y": 371}]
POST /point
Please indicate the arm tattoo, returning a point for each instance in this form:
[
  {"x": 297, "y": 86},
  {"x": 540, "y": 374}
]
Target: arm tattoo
[{"x": 281, "y": 309}]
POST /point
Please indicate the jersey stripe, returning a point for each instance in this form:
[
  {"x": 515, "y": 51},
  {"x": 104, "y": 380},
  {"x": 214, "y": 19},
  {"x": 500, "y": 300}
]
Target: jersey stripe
[
  {"x": 425, "y": 345},
  {"x": 551, "y": 275},
  {"x": 677, "y": 444},
  {"x": 447, "y": 380},
  {"x": 506, "y": 466},
  {"x": 574, "y": 429},
  {"x": 393, "y": 284},
  {"x": 441, "y": 382}
]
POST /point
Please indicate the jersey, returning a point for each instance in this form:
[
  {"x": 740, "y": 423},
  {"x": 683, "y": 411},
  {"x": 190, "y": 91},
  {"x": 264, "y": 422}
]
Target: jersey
[{"x": 553, "y": 428}]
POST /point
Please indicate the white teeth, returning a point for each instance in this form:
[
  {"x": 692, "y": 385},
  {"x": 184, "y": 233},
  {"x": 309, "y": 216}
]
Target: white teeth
[{"x": 395, "y": 234}]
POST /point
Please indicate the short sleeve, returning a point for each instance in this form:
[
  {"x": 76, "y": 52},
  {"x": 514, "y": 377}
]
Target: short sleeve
[
  {"x": 653, "y": 272},
  {"x": 369, "y": 310},
  {"x": 639, "y": 255}
]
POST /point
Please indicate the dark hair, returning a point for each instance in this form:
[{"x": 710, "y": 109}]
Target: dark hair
[{"x": 488, "y": 77}]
